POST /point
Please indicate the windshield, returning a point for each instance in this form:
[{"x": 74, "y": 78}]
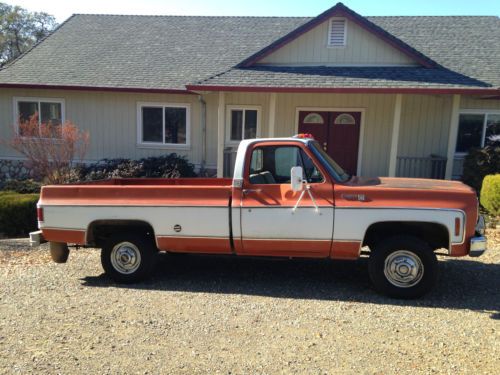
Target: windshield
[{"x": 333, "y": 168}]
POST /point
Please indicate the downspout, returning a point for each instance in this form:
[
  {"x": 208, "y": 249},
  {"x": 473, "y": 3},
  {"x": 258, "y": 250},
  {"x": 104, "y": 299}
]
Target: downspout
[{"x": 203, "y": 120}]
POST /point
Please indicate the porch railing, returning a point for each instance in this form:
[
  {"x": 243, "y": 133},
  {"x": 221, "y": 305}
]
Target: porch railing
[
  {"x": 433, "y": 166},
  {"x": 458, "y": 167},
  {"x": 229, "y": 160}
]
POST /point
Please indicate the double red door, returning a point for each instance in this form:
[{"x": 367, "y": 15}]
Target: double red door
[{"x": 338, "y": 134}]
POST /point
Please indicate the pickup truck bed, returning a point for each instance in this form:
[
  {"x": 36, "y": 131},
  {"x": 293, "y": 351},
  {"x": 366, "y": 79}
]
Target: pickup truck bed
[{"x": 188, "y": 215}]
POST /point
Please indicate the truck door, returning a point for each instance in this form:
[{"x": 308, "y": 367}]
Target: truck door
[{"x": 275, "y": 220}]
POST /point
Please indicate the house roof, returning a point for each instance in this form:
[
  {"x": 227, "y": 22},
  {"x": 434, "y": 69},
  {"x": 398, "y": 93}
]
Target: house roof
[
  {"x": 143, "y": 52},
  {"x": 168, "y": 53},
  {"x": 324, "y": 78}
]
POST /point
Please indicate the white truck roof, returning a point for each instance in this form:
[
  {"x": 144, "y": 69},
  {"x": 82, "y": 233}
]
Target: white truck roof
[{"x": 240, "y": 155}]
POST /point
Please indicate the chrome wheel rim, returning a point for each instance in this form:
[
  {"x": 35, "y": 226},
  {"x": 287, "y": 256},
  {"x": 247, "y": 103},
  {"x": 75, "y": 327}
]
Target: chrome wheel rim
[
  {"x": 125, "y": 257},
  {"x": 403, "y": 269}
]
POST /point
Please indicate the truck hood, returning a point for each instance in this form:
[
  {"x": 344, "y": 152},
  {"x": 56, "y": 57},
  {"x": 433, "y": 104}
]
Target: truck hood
[{"x": 410, "y": 184}]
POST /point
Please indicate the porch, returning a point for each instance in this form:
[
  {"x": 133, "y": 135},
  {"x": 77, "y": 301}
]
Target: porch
[{"x": 401, "y": 135}]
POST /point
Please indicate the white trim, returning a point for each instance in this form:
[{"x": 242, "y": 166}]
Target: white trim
[
  {"x": 452, "y": 136},
  {"x": 229, "y": 108},
  {"x": 221, "y": 128},
  {"x": 393, "y": 156},
  {"x": 333, "y": 109},
  {"x": 17, "y": 99},
  {"x": 480, "y": 111},
  {"x": 163, "y": 145},
  {"x": 272, "y": 115},
  {"x": 328, "y": 40}
]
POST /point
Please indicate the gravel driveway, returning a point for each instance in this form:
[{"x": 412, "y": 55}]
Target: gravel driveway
[{"x": 220, "y": 315}]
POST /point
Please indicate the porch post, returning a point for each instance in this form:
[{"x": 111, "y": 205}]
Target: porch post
[
  {"x": 452, "y": 136},
  {"x": 272, "y": 114},
  {"x": 393, "y": 156},
  {"x": 221, "y": 134}
]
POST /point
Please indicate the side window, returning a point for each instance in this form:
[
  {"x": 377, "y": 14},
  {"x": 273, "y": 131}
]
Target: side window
[{"x": 272, "y": 165}]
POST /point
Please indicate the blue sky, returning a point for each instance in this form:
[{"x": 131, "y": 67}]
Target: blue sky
[{"x": 62, "y": 9}]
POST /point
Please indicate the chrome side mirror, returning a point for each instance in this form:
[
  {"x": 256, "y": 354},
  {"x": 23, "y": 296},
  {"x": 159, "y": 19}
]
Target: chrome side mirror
[{"x": 296, "y": 179}]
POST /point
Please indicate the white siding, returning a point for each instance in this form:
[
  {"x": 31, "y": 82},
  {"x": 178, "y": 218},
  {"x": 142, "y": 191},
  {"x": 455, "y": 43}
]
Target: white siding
[
  {"x": 425, "y": 123},
  {"x": 110, "y": 118},
  {"x": 362, "y": 48}
]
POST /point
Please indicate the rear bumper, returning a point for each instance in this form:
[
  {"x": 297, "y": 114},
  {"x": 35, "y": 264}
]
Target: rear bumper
[
  {"x": 36, "y": 238},
  {"x": 477, "y": 246}
]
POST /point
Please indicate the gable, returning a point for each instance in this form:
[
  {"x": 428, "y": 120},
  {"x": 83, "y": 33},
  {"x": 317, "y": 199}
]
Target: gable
[{"x": 361, "y": 48}]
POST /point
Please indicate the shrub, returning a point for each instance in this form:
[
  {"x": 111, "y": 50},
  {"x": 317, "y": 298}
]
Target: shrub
[
  {"x": 490, "y": 194},
  {"x": 480, "y": 163},
  {"x": 167, "y": 166},
  {"x": 22, "y": 186},
  {"x": 17, "y": 213}
]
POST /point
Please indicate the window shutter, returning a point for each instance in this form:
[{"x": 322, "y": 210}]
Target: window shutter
[{"x": 336, "y": 37}]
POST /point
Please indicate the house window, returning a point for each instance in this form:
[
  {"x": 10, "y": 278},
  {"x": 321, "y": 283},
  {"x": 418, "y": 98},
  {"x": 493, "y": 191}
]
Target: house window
[
  {"x": 345, "y": 119},
  {"x": 477, "y": 130},
  {"x": 48, "y": 110},
  {"x": 337, "y": 32},
  {"x": 313, "y": 118},
  {"x": 163, "y": 124},
  {"x": 243, "y": 123}
]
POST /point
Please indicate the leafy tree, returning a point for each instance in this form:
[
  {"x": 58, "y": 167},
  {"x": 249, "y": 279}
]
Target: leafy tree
[{"x": 20, "y": 29}]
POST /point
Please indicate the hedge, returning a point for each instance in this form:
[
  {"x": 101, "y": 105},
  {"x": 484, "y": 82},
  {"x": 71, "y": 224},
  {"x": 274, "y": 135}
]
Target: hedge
[
  {"x": 166, "y": 166},
  {"x": 490, "y": 194},
  {"x": 22, "y": 186},
  {"x": 17, "y": 213}
]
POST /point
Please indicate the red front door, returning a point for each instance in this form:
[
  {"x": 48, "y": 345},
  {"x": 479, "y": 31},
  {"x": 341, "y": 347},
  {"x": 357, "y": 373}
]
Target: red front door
[{"x": 337, "y": 132}]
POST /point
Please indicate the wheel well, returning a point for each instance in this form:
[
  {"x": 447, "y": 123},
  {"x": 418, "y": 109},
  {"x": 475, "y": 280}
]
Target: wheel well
[
  {"x": 99, "y": 231},
  {"x": 436, "y": 235}
]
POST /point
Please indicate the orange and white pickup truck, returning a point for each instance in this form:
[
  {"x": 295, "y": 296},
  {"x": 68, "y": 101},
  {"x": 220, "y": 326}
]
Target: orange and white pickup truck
[{"x": 288, "y": 198}]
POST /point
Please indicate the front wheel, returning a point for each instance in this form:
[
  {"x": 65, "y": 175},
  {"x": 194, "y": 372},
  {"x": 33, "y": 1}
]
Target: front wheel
[
  {"x": 403, "y": 267},
  {"x": 128, "y": 258}
]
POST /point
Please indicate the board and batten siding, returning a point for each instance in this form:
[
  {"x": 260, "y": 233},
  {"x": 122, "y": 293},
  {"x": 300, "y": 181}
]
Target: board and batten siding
[
  {"x": 111, "y": 120},
  {"x": 425, "y": 125},
  {"x": 362, "y": 48}
]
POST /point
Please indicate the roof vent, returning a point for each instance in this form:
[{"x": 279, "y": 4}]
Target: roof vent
[{"x": 337, "y": 32}]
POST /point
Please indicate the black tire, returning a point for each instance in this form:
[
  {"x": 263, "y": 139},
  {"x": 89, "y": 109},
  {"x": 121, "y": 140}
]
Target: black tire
[
  {"x": 411, "y": 270},
  {"x": 128, "y": 258}
]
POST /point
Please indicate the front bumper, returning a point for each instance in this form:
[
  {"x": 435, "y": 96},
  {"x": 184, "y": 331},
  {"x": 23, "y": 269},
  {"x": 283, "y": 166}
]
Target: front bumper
[{"x": 477, "y": 246}]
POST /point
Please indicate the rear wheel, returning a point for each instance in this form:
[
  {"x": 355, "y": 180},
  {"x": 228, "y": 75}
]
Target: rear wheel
[
  {"x": 128, "y": 258},
  {"x": 403, "y": 267}
]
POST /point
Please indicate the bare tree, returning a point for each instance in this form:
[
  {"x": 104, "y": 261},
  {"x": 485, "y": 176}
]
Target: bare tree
[{"x": 51, "y": 150}]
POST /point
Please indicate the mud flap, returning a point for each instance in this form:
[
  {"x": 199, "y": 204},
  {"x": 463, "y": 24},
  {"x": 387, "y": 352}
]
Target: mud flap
[{"x": 59, "y": 252}]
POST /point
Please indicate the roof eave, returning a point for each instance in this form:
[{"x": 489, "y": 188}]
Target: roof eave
[
  {"x": 97, "y": 88},
  {"x": 349, "y": 90}
]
